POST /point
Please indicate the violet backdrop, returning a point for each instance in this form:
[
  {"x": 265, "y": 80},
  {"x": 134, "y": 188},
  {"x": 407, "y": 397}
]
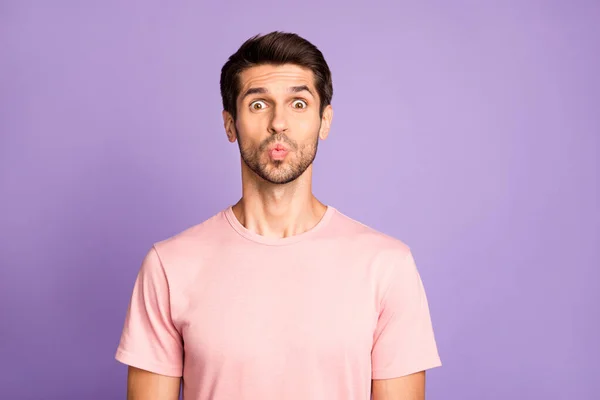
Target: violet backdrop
[{"x": 468, "y": 129}]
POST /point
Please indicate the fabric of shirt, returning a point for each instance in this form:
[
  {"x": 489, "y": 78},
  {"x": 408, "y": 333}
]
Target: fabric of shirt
[{"x": 315, "y": 316}]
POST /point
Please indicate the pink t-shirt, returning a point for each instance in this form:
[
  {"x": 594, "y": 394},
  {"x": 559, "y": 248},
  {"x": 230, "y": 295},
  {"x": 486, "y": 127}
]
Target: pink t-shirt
[{"x": 312, "y": 316}]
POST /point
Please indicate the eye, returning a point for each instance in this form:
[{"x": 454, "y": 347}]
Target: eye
[
  {"x": 257, "y": 105},
  {"x": 299, "y": 104}
]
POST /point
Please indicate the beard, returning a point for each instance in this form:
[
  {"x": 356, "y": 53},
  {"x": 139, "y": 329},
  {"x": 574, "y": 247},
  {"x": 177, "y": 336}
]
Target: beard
[{"x": 279, "y": 172}]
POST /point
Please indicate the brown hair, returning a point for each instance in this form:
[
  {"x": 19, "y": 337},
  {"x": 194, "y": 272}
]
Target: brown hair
[{"x": 275, "y": 48}]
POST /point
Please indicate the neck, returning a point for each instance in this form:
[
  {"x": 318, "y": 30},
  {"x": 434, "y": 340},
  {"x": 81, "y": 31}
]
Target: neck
[{"x": 278, "y": 210}]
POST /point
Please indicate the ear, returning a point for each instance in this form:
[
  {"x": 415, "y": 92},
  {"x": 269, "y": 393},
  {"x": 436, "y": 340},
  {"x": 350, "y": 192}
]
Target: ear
[
  {"x": 229, "y": 125},
  {"x": 326, "y": 122}
]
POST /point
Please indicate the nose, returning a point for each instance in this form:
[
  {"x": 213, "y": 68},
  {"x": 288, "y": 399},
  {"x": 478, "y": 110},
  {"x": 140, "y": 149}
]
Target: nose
[{"x": 278, "y": 123}]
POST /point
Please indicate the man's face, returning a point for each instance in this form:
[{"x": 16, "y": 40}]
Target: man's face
[{"x": 278, "y": 124}]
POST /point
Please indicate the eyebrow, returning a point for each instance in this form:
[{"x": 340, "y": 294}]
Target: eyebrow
[{"x": 262, "y": 90}]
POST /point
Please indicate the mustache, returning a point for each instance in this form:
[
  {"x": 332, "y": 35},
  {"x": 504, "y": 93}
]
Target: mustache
[{"x": 280, "y": 137}]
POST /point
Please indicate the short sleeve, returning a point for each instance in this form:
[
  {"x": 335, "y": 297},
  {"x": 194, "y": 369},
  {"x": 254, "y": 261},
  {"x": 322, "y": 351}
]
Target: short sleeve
[
  {"x": 404, "y": 341},
  {"x": 149, "y": 339}
]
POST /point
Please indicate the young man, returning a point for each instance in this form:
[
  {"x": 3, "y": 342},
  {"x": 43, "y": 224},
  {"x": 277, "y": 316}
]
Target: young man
[{"x": 278, "y": 297}]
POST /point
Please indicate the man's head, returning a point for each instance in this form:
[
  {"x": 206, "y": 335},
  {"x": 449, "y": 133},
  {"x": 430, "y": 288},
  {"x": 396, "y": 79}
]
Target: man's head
[{"x": 277, "y": 92}]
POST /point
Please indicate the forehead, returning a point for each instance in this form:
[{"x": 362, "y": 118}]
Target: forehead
[{"x": 276, "y": 76}]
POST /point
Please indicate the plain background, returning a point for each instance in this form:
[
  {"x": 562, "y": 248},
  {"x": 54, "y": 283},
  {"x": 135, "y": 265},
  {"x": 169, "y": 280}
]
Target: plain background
[{"x": 468, "y": 129}]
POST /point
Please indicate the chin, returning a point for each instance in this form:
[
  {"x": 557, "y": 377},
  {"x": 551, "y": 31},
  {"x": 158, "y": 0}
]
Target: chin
[
  {"x": 280, "y": 177},
  {"x": 283, "y": 182}
]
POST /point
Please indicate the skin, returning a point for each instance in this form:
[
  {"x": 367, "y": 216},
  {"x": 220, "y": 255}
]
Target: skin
[
  {"x": 277, "y": 199},
  {"x": 409, "y": 387},
  {"x": 276, "y": 105},
  {"x": 145, "y": 385}
]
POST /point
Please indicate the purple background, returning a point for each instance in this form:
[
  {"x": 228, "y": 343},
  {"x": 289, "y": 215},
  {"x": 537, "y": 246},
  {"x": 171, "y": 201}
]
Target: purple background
[{"x": 468, "y": 129}]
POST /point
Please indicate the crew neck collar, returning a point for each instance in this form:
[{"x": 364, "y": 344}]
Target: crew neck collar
[{"x": 272, "y": 241}]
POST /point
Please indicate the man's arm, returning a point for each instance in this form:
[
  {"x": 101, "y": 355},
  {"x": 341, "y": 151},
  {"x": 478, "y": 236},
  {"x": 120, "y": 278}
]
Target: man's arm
[
  {"x": 410, "y": 387},
  {"x": 145, "y": 385}
]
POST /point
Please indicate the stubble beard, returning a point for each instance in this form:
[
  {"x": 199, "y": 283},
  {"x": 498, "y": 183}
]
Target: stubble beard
[{"x": 279, "y": 172}]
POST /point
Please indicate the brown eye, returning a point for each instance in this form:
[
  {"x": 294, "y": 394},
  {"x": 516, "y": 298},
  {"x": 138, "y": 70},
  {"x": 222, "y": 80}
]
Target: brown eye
[
  {"x": 299, "y": 104},
  {"x": 257, "y": 105}
]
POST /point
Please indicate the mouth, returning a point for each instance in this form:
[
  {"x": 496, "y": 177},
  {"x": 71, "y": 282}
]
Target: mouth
[{"x": 278, "y": 152}]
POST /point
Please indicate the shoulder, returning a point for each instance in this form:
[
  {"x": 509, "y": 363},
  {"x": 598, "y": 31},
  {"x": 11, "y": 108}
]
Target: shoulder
[
  {"x": 192, "y": 242},
  {"x": 362, "y": 237},
  {"x": 388, "y": 260}
]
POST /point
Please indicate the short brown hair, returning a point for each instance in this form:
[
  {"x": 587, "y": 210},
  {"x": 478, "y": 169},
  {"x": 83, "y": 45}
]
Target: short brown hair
[{"x": 276, "y": 48}]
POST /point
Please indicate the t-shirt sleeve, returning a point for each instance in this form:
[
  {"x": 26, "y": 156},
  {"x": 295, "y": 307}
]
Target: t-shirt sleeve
[
  {"x": 404, "y": 341},
  {"x": 149, "y": 339}
]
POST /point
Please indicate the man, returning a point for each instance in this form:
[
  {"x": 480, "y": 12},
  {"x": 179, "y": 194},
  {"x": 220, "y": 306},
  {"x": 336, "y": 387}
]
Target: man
[{"x": 278, "y": 297}]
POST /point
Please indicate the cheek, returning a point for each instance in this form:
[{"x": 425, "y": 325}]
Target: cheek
[
  {"x": 307, "y": 127},
  {"x": 250, "y": 129}
]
